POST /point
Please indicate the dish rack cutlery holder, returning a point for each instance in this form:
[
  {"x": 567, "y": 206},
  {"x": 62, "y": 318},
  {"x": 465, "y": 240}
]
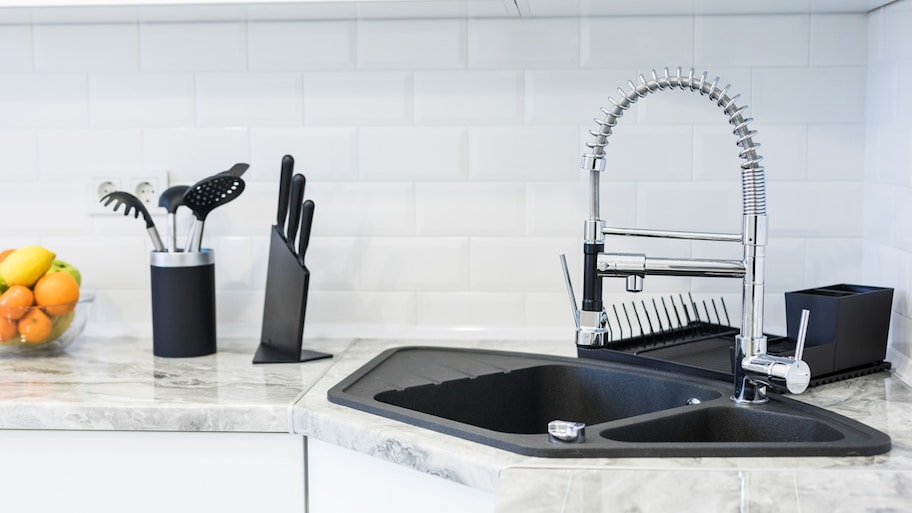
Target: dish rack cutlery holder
[{"x": 681, "y": 334}]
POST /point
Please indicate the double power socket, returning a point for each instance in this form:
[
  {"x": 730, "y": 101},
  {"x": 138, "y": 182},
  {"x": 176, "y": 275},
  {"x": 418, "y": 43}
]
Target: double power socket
[{"x": 147, "y": 187}]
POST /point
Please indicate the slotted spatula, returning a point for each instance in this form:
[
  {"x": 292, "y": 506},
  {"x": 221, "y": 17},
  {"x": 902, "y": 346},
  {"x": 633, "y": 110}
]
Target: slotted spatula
[
  {"x": 205, "y": 196},
  {"x": 131, "y": 202}
]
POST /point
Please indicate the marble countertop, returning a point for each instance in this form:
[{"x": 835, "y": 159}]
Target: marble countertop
[
  {"x": 117, "y": 384},
  {"x": 530, "y": 484}
]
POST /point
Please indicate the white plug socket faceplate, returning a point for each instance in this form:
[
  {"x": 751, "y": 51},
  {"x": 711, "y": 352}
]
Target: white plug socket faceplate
[{"x": 146, "y": 186}]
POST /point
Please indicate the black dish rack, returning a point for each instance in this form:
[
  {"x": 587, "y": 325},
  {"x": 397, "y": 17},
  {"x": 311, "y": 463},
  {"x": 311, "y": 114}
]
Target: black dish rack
[{"x": 675, "y": 335}]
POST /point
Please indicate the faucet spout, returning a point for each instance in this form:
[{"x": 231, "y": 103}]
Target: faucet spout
[{"x": 757, "y": 370}]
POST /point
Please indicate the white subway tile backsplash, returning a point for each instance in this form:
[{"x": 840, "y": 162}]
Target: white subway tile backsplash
[
  {"x": 836, "y": 152},
  {"x": 362, "y": 209},
  {"x": 443, "y": 155},
  {"x": 468, "y": 97},
  {"x": 411, "y": 44},
  {"x": 523, "y": 43},
  {"x": 323, "y": 154},
  {"x": 754, "y": 40},
  {"x": 524, "y": 153},
  {"x": 637, "y": 41},
  {"x": 832, "y": 261},
  {"x": 334, "y": 262},
  {"x": 193, "y": 46},
  {"x": 45, "y": 100},
  {"x": 786, "y": 260},
  {"x": 47, "y": 209},
  {"x": 570, "y": 96},
  {"x": 80, "y": 154},
  {"x": 358, "y": 98},
  {"x": 826, "y": 95},
  {"x": 81, "y": 48},
  {"x": 715, "y": 154},
  {"x": 142, "y": 100},
  {"x": 413, "y": 153},
  {"x": 815, "y": 209},
  {"x": 361, "y": 307},
  {"x": 16, "y": 48},
  {"x": 414, "y": 264},
  {"x": 896, "y": 22},
  {"x": 261, "y": 99},
  {"x": 557, "y": 208},
  {"x": 470, "y": 309},
  {"x": 645, "y": 153},
  {"x": 190, "y": 154},
  {"x": 511, "y": 264},
  {"x": 703, "y": 206},
  {"x": 19, "y": 148},
  {"x": 469, "y": 208},
  {"x": 301, "y": 45},
  {"x": 838, "y": 39},
  {"x": 784, "y": 149}
]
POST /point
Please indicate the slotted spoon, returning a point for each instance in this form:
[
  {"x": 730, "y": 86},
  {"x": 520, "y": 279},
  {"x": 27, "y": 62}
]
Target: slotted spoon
[
  {"x": 204, "y": 196},
  {"x": 131, "y": 202}
]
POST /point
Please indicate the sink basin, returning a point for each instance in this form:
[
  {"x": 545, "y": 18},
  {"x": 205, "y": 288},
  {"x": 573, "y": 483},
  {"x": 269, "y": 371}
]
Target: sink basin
[{"x": 506, "y": 400}]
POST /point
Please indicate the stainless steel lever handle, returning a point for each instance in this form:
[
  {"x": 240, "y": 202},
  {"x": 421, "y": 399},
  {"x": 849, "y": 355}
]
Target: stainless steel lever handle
[
  {"x": 802, "y": 334},
  {"x": 573, "y": 308}
]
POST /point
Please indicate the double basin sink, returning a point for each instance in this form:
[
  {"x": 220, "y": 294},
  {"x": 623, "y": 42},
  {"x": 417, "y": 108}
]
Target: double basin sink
[{"x": 507, "y": 400}]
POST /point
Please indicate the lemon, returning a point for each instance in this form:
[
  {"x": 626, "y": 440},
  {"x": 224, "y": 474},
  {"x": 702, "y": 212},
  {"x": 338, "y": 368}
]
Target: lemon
[{"x": 25, "y": 265}]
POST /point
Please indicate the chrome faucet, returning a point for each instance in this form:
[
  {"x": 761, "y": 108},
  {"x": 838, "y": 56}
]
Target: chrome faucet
[{"x": 756, "y": 370}]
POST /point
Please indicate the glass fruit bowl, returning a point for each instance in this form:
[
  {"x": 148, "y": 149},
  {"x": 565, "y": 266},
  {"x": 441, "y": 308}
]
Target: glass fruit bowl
[{"x": 43, "y": 329}]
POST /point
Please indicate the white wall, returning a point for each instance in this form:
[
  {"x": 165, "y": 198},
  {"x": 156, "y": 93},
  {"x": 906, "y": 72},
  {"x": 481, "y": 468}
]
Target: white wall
[
  {"x": 442, "y": 155},
  {"x": 888, "y": 169}
]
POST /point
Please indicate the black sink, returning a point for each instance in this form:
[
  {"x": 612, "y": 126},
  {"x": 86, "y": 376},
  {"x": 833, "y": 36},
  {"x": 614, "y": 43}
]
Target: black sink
[{"x": 506, "y": 400}]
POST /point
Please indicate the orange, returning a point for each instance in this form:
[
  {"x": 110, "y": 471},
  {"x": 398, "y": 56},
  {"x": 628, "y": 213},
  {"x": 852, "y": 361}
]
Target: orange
[
  {"x": 8, "y": 329},
  {"x": 57, "y": 293},
  {"x": 15, "y": 302},
  {"x": 35, "y": 326},
  {"x": 4, "y": 254}
]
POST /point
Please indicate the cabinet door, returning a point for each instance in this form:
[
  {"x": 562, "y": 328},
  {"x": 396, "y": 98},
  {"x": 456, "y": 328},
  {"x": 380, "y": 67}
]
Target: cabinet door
[{"x": 154, "y": 472}]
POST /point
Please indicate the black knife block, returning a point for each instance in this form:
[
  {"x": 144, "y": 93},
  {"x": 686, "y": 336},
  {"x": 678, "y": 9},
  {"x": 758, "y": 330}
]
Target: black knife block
[{"x": 285, "y": 306}]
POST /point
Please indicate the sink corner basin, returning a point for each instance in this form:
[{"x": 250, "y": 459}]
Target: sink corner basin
[{"x": 506, "y": 400}]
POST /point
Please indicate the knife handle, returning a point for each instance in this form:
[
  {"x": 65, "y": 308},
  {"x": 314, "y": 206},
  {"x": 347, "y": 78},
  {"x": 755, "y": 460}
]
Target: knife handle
[
  {"x": 284, "y": 190},
  {"x": 294, "y": 211},
  {"x": 306, "y": 224}
]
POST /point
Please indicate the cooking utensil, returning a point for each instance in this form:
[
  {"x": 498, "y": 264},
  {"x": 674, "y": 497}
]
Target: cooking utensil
[
  {"x": 131, "y": 202},
  {"x": 304, "y": 235},
  {"x": 294, "y": 209},
  {"x": 171, "y": 199},
  {"x": 205, "y": 196},
  {"x": 236, "y": 170},
  {"x": 284, "y": 191}
]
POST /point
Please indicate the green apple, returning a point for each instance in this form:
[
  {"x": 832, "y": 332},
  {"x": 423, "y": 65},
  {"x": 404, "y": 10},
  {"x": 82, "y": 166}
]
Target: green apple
[{"x": 61, "y": 266}]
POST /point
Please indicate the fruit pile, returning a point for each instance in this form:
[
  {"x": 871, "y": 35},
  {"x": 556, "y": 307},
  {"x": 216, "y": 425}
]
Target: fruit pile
[{"x": 38, "y": 295}]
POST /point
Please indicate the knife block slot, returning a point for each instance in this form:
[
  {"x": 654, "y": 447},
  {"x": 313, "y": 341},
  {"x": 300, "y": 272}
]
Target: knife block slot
[{"x": 285, "y": 307}]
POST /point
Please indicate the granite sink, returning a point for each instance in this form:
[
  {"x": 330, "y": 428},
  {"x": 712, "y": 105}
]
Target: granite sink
[{"x": 507, "y": 400}]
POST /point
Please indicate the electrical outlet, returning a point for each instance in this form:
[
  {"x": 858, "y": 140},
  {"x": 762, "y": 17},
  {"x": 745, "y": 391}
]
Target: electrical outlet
[
  {"x": 148, "y": 188},
  {"x": 101, "y": 186}
]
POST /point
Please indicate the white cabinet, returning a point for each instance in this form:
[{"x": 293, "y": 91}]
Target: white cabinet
[
  {"x": 344, "y": 481},
  {"x": 117, "y": 471}
]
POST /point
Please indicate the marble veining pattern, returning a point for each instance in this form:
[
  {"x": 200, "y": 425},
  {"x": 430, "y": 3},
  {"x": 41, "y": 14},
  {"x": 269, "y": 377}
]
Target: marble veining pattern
[
  {"x": 117, "y": 384},
  {"x": 532, "y": 484}
]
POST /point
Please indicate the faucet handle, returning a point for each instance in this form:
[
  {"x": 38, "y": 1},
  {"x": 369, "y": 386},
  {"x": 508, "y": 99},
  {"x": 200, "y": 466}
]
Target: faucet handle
[
  {"x": 802, "y": 334},
  {"x": 573, "y": 307}
]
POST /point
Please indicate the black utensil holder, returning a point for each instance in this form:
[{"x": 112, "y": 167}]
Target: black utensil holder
[
  {"x": 285, "y": 307},
  {"x": 183, "y": 303},
  {"x": 850, "y": 321}
]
